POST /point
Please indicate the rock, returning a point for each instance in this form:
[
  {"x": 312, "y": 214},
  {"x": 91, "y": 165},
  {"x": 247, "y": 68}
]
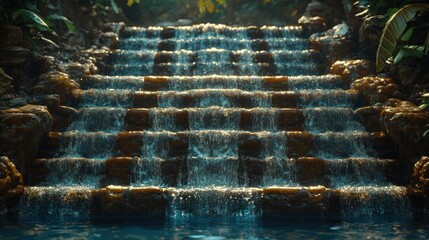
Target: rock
[
  {"x": 350, "y": 11},
  {"x": 316, "y": 8},
  {"x": 421, "y": 175},
  {"x": 333, "y": 44},
  {"x": 312, "y": 25},
  {"x": 57, "y": 83},
  {"x": 63, "y": 116},
  {"x": 10, "y": 178},
  {"x": 14, "y": 55},
  {"x": 11, "y": 185},
  {"x": 47, "y": 63},
  {"x": 108, "y": 39},
  {"x": 6, "y": 86},
  {"x": 351, "y": 70},
  {"x": 376, "y": 89},
  {"x": 411, "y": 72},
  {"x": 370, "y": 117},
  {"x": 51, "y": 101},
  {"x": 405, "y": 123},
  {"x": 330, "y": 10},
  {"x": 77, "y": 70},
  {"x": 10, "y": 35},
  {"x": 115, "y": 27},
  {"x": 370, "y": 33},
  {"x": 21, "y": 132},
  {"x": 420, "y": 180}
]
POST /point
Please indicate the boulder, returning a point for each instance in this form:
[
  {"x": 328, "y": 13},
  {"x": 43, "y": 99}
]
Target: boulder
[
  {"x": 57, "y": 83},
  {"x": 413, "y": 75},
  {"x": 116, "y": 27},
  {"x": 421, "y": 175},
  {"x": 350, "y": 11},
  {"x": 351, "y": 70},
  {"x": 369, "y": 116},
  {"x": 108, "y": 39},
  {"x": 405, "y": 123},
  {"x": 21, "y": 133},
  {"x": 369, "y": 34},
  {"x": 76, "y": 70},
  {"x": 333, "y": 44},
  {"x": 420, "y": 180},
  {"x": 11, "y": 35},
  {"x": 6, "y": 86},
  {"x": 11, "y": 185},
  {"x": 376, "y": 89},
  {"x": 14, "y": 55},
  {"x": 312, "y": 25}
]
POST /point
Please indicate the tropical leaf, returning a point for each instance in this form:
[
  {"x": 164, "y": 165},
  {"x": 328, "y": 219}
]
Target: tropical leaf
[
  {"x": 47, "y": 40},
  {"x": 409, "y": 51},
  {"x": 427, "y": 45},
  {"x": 24, "y": 16},
  {"x": 70, "y": 26},
  {"x": 393, "y": 30},
  {"x": 407, "y": 35},
  {"x": 114, "y": 6}
]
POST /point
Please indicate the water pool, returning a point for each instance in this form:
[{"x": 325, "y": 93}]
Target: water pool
[{"x": 302, "y": 228}]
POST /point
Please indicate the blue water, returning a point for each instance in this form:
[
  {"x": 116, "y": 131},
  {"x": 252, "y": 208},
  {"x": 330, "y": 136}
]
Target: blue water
[{"x": 302, "y": 228}]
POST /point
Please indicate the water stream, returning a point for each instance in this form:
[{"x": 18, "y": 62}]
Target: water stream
[{"x": 198, "y": 115}]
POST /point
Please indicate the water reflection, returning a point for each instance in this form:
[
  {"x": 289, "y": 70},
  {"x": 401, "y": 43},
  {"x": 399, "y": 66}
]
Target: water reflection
[{"x": 229, "y": 228}]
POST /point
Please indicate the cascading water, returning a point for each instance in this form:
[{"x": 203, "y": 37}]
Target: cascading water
[{"x": 211, "y": 120}]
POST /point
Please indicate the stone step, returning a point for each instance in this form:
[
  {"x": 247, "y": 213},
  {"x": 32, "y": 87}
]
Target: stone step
[
  {"x": 215, "y": 30},
  {"x": 214, "y": 202},
  {"x": 134, "y": 58},
  {"x": 126, "y": 171},
  {"x": 230, "y": 98},
  {"x": 108, "y": 119},
  {"x": 204, "y": 42},
  {"x": 214, "y": 67},
  {"x": 224, "y": 143},
  {"x": 181, "y": 83}
]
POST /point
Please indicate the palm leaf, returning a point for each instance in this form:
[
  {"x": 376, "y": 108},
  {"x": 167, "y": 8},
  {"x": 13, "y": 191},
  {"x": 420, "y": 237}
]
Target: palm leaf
[
  {"x": 427, "y": 45},
  {"x": 393, "y": 31},
  {"x": 24, "y": 16},
  {"x": 70, "y": 26}
]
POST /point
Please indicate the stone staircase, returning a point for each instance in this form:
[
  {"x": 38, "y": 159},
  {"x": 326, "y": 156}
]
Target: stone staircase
[{"x": 212, "y": 120}]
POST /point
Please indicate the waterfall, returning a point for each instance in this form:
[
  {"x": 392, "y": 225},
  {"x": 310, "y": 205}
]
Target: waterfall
[{"x": 215, "y": 121}]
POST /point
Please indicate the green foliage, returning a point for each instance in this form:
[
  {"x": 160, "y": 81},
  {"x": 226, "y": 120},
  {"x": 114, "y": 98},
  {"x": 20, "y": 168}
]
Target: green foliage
[
  {"x": 54, "y": 17},
  {"x": 397, "y": 29},
  {"x": 389, "y": 7},
  {"x": 29, "y": 18},
  {"x": 26, "y": 15},
  {"x": 114, "y": 6}
]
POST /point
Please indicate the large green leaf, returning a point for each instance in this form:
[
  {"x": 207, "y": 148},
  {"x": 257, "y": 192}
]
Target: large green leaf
[
  {"x": 70, "y": 26},
  {"x": 393, "y": 31},
  {"x": 25, "y": 16},
  {"x": 114, "y": 6},
  {"x": 427, "y": 45}
]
